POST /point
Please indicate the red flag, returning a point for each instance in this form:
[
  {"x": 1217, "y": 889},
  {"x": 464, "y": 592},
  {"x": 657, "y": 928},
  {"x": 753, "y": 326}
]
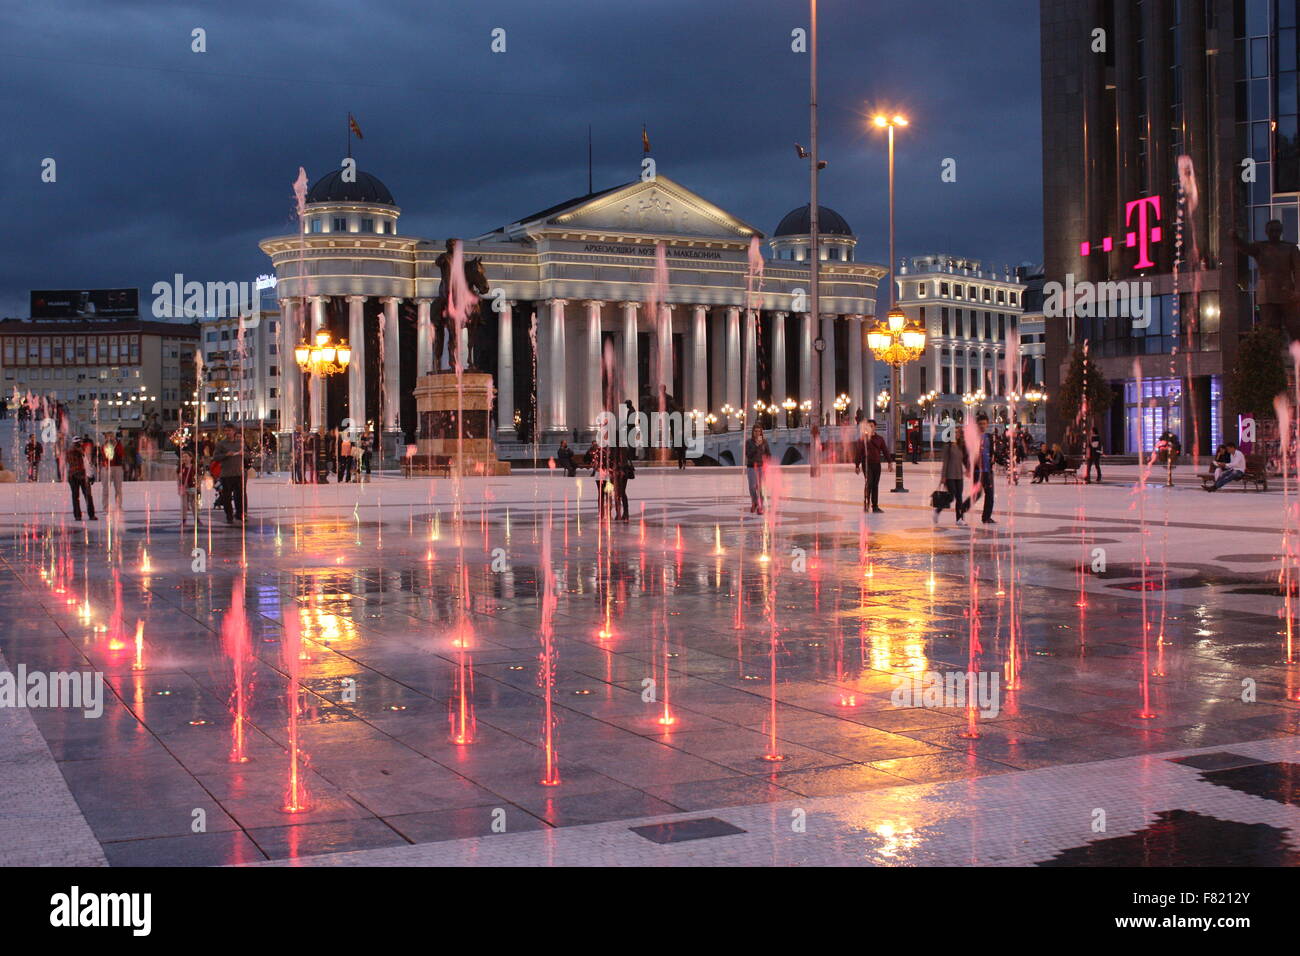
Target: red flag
[
  {"x": 353, "y": 127},
  {"x": 645, "y": 141}
]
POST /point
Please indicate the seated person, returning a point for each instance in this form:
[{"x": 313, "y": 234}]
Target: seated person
[
  {"x": 1049, "y": 463},
  {"x": 1042, "y": 469},
  {"x": 1234, "y": 470}
]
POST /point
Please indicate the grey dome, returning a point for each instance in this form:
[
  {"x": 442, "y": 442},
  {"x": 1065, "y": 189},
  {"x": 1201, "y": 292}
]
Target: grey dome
[
  {"x": 798, "y": 222},
  {"x": 331, "y": 188}
]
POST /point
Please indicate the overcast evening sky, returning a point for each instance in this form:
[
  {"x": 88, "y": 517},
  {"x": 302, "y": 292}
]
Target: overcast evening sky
[{"x": 173, "y": 161}]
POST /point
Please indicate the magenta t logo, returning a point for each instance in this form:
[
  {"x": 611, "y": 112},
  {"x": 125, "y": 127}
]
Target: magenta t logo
[
  {"x": 1148, "y": 213},
  {"x": 1146, "y": 232}
]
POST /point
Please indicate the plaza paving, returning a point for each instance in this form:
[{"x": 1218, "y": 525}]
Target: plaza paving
[{"x": 422, "y": 621}]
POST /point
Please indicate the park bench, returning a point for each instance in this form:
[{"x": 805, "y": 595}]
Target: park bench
[
  {"x": 1256, "y": 475},
  {"x": 1070, "y": 474}
]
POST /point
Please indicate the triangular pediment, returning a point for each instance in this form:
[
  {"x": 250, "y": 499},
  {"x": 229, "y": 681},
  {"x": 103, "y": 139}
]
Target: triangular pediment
[{"x": 658, "y": 207}]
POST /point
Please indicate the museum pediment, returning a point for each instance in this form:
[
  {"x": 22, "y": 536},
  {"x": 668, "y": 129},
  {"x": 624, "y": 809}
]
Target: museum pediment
[{"x": 659, "y": 206}]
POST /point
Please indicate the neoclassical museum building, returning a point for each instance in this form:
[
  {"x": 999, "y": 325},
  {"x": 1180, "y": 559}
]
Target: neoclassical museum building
[{"x": 566, "y": 326}]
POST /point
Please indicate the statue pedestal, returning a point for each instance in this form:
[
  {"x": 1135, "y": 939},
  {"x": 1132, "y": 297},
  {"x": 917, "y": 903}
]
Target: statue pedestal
[{"x": 447, "y": 409}]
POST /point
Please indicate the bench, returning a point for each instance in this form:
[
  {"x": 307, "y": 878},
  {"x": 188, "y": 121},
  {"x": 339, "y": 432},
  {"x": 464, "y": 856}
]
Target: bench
[
  {"x": 1070, "y": 473},
  {"x": 1255, "y": 477},
  {"x": 426, "y": 465}
]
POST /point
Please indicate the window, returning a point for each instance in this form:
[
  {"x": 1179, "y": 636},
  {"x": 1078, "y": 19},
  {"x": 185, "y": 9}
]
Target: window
[
  {"x": 367, "y": 225},
  {"x": 316, "y": 225},
  {"x": 340, "y": 225},
  {"x": 943, "y": 288},
  {"x": 987, "y": 296},
  {"x": 1002, "y": 296}
]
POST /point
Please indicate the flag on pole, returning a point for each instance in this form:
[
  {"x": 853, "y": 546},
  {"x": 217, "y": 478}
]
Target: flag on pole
[
  {"x": 645, "y": 141},
  {"x": 353, "y": 127}
]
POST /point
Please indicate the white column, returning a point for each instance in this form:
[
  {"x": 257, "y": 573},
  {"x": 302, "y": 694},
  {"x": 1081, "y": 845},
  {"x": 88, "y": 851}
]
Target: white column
[
  {"x": 751, "y": 364},
  {"x": 856, "y": 348},
  {"x": 357, "y": 367},
  {"x": 718, "y": 367},
  {"x": 700, "y": 365},
  {"x": 317, "y": 383},
  {"x": 557, "y": 369},
  {"x": 778, "y": 366},
  {"x": 392, "y": 364},
  {"x": 424, "y": 362},
  {"x": 630, "y": 355},
  {"x": 664, "y": 342},
  {"x": 594, "y": 378},
  {"x": 506, "y": 371},
  {"x": 805, "y": 361},
  {"x": 734, "y": 397},
  {"x": 290, "y": 376},
  {"x": 828, "y": 367}
]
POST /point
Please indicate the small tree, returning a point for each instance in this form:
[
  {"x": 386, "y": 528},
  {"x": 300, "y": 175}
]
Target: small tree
[
  {"x": 1260, "y": 372},
  {"x": 1083, "y": 384}
]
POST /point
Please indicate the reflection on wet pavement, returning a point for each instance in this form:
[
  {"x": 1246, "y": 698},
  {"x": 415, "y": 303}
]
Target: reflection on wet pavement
[{"x": 687, "y": 649}]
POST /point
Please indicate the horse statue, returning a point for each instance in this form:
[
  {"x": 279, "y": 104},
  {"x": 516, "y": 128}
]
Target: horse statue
[{"x": 444, "y": 326}]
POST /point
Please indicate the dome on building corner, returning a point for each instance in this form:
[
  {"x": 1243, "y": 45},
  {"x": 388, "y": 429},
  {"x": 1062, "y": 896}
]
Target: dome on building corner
[
  {"x": 332, "y": 188},
  {"x": 798, "y": 222}
]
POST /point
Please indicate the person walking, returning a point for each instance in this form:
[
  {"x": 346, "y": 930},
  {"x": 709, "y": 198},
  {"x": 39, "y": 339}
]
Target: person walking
[
  {"x": 599, "y": 460},
  {"x": 1093, "y": 457},
  {"x": 298, "y": 453},
  {"x": 345, "y": 457},
  {"x": 624, "y": 471},
  {"x": 870, "y": 451},
  {"x": 79, "y": 481},
  {"x": 113, "y": 464},
  {"x": 34, "y": 452},
  {"x": 984, "y": 467},
  {"x": 757, "y": 453},
  {"x": 952, "y": 474},
  {"x": 367, "y": 449},
  {"x": 229, "y": 457},
  {"x": 187, "y": 486}
]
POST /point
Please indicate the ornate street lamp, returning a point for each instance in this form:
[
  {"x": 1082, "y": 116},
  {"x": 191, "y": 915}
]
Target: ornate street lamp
[
  {"x": 896, "y": 341},
  {"x": 323, "y": 357}
]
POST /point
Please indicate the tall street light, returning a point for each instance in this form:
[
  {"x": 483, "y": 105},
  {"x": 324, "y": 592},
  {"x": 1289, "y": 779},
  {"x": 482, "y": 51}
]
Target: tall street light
[
  {"x": 896, "y": 342},
  {"x": 895, "y": 336}
]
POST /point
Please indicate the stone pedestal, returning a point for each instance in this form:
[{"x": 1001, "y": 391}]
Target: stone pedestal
[{"x": 453, "y": 436}]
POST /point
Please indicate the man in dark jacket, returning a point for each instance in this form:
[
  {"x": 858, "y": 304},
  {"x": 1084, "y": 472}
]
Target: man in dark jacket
[
  {"x": 870, "y": 452},
  {"x": 984, "y": 467},
  {"x": 229, "y": 455},
  {"x": 78, "y": 482}
]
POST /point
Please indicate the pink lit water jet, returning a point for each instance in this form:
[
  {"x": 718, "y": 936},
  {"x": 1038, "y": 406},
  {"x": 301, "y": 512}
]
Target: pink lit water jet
[{"x": 297, "y": 795}]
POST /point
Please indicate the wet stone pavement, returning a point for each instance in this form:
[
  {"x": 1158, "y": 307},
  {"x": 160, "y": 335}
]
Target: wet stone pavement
[{"x": 707, "y": 665}]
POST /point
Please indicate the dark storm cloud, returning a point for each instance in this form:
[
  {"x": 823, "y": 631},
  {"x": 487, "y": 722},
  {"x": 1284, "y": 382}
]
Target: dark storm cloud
[{"x": 171, "y": 161}]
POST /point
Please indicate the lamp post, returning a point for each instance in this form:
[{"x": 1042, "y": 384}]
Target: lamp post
[
  {"x": 897, "y": 342},
  {"x": 896, "y": 325},
  {"x": 323, "y": 357}
]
